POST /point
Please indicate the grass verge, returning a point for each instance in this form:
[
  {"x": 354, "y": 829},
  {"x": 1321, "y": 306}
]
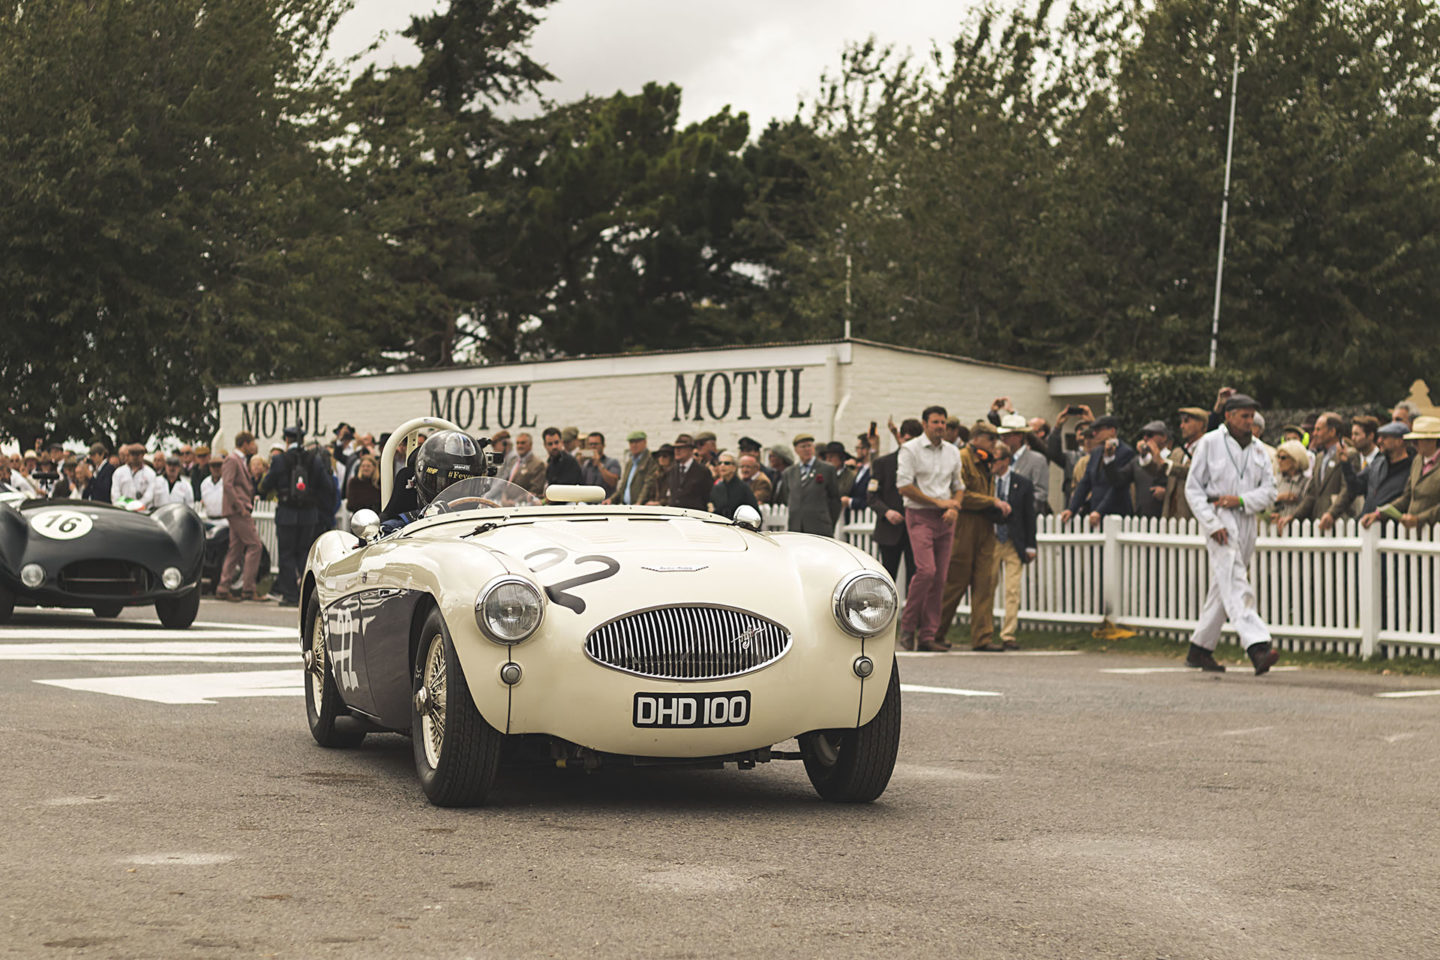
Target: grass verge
[{"x": 1227, "y": 653}]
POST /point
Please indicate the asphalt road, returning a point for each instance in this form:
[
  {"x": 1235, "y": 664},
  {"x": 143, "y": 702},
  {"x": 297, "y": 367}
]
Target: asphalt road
[{"x": 1074, "y": 812}]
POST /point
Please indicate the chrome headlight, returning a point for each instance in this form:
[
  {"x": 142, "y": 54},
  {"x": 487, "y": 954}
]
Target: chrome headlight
[
  {"x": 509, "y": 609},
  {"x": 172, "y": 578},
  {"x": 865, "y": 604},
  {"x": 32, "y": 575}
]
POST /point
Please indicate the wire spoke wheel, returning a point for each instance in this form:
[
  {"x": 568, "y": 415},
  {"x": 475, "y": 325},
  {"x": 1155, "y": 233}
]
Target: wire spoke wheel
[
  {"x": 330, "y": 722},
  {"x": 432, "y": 712}
]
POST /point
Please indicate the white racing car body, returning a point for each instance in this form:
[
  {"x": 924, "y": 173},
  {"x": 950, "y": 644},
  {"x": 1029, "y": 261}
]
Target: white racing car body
[{"x": 596, "y": 633}]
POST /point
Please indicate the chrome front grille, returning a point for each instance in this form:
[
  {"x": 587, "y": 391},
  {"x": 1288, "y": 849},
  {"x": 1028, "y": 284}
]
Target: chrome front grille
[{"x": 688, "y": 643}]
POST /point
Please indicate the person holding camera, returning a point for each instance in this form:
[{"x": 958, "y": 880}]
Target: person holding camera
[
  {"x": 1096, "y": 495},
  {"x": 596, "y": 469}
]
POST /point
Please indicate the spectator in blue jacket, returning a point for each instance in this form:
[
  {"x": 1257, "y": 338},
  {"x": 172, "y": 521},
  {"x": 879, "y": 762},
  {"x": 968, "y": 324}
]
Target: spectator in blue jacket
[{"x": 1096, "y": 494}]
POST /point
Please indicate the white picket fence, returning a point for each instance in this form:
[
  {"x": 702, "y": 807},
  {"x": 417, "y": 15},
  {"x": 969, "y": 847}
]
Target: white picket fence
[{"x": 1349, "y": 590}]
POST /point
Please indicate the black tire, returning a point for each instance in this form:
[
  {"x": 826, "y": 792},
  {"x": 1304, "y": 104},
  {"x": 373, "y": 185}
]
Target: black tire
[
  {"x": 324, "y": 709},
  {"x": 178, "y": 613},
  {"x": 108, "y": 611},
  {"x": 7, "y": 603},
  {"x": 854, "y": 766},
  {"x": 458, "y": 766}
]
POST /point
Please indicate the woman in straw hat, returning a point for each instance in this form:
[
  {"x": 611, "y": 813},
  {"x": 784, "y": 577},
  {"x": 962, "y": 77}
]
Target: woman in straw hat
[{"x": 1419, "y": 505}]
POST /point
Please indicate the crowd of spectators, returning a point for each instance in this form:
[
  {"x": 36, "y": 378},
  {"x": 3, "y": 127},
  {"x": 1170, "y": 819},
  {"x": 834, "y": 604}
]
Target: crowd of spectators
[{"x": 953, "y": 525}]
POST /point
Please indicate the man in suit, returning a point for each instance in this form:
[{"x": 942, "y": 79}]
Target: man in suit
[
  {"x": 1015, "y": 543},
  {"x": 890, "y": 534},
  {"x": 1381, "y": 482},
  {"x": 810, "y": 488},
  {"x": 1327, "y": 479},
  {"x": 690, "y": 481},
  {"x": 527, "y": 470},
  {"x": 237, "y": 503},
  {"x": 638, "y": 472},
  {"x": 1095, "y": 495},
  {"x": 1144, "y": 476}
]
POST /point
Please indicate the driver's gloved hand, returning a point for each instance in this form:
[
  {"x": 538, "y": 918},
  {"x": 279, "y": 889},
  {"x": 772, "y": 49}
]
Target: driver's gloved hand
[{"x": 393, "y": 524}]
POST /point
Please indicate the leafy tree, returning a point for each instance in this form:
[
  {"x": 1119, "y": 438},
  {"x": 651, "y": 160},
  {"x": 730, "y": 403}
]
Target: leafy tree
[{"x": 167, "y": 224}]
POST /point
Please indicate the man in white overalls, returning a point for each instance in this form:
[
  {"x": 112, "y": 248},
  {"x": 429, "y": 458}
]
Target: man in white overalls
[{"x": 1230, "y": 484}]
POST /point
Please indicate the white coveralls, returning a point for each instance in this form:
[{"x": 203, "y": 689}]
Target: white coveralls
[{"x": 1221, "y": 467}]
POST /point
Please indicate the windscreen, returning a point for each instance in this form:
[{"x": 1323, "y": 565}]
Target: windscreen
[{"x": 481, "y": 493}]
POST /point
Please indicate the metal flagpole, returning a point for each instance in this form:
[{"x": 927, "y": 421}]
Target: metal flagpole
[{"x": 1225, "y": 203}]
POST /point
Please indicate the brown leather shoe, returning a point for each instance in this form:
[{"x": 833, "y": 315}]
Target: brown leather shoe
[
  {"x": 906, "y": 642},
  {"x": 934, "y": 646},
  {"x": 253, "y": 598},
  {"x": 988, "y": 648},
  {"x": 1010, "y": 645}
]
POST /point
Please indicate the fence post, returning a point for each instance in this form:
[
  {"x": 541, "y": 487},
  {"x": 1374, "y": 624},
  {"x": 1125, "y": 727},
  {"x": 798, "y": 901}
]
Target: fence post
[
  {"x": 1110, "y": 588},
  {"x": 1369, "y": 589}
]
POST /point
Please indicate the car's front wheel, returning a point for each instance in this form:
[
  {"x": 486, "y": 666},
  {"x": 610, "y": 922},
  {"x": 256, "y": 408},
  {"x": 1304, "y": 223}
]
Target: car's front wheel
[
  {"x": 457, "y": 753},
  {"x": 108, "y": 611},
  {"x": 323, "y": 707},
  {"x": 177, "y": 613},
  {"x": 854, "y": 766}
]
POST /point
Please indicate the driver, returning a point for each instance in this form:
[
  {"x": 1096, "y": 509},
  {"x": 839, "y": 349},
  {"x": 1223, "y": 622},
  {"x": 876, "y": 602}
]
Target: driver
[{"x": 447, "y": 457}]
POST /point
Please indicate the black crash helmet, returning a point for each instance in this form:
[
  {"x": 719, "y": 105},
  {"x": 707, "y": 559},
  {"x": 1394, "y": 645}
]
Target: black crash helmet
[{"x": 447, "y": 457}]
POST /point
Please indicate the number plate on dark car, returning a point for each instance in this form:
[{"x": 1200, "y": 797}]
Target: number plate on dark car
[{"x": 692, "y": 709}]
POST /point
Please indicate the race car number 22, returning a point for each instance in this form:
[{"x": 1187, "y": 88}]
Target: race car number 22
[{"x": 61, "y": 524}]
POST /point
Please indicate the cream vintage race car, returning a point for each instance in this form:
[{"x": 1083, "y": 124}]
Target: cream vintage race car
[{"x": 582, "y": 634}]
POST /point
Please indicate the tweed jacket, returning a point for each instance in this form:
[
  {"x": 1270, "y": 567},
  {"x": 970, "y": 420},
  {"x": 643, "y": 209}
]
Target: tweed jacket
[
  {"x": 643, "y": 468},
  {"x": 1177, "y": 468},
  {"x": 1422, "y": 493},
  {"x": 531, "y": 474}
]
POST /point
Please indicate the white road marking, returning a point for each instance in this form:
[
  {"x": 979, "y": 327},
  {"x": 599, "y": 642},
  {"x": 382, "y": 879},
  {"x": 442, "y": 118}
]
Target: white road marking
[
  {"x": 915, "y": 688},
  {"x": 1194, "y": 670},
  {"x": 1241, "y": 733},
  {"x": 175, "y": 651},
  {"x": 192, "y": 687},
  {"x": 977, "y": 653},
  {"x": 110, "y": 635},
  {"x": 1397, "y": 737},
  {"x": 940, "y": 773},
  {"x": 180, "y": 859},
  {"x": 1400, "y": 694}
]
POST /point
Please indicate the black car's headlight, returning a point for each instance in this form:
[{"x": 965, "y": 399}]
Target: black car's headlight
[
  {"x": 509, "y": 609},
  {"x": 865, "y": 603}
]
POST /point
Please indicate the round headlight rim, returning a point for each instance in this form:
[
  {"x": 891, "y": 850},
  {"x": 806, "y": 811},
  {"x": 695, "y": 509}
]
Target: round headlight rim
[
  {"x": 165, "y": 578},
  {"x": 837, "y": 607},
  {"x": 26, "y": 578},
  {"x": 491, "y": 587}
]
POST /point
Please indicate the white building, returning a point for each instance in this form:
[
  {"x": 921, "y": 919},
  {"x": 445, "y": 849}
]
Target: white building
[{"x": 833, "y": 389}]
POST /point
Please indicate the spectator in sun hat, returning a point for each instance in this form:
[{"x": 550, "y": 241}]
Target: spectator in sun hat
[
  {"x": 1292, "y": 472},
  {"x": 1025, "y": 460},
  {"x": 1419, "y": 503},
  {"x": 838, "y": 457},
  {"x": 690, "y": 480},
  {"x": 570, "y": 439},
  {"x": 810, "y": 490}
]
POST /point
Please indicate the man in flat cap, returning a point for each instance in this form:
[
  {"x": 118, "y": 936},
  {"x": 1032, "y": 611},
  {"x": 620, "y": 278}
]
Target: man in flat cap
[
  {"x": 639, "y": 470},
  {"x": 1230, "y": 484},
  {"x": 972, "y": 553},
  {"x": 1143, "y": 476},
  {"x": 689, "y": 482},
  {"x": 809, "y": 488},
  {"x": 1096, "y": 496},
  {"x": 706, "y": 449},
  {"x": 1382, "y": 481},
  {"x": 1177, "y": 468}
]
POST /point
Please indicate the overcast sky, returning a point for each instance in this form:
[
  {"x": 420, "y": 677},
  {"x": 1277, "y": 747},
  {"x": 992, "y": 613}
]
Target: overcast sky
[{"x": 759, "y": 57}]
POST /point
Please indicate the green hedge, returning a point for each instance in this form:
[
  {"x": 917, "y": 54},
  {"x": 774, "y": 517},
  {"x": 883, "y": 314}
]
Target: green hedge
[{"x": 1141, "y": 392}]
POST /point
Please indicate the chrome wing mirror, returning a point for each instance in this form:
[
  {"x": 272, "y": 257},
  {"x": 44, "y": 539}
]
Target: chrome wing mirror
[{"x": 748, "y": 517}]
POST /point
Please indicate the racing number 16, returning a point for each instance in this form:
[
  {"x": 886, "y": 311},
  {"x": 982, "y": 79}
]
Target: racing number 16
[{"x": 67, "y": 522}]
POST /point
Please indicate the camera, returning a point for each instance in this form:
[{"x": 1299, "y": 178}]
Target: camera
[{"x": 1073, "y": 409}]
